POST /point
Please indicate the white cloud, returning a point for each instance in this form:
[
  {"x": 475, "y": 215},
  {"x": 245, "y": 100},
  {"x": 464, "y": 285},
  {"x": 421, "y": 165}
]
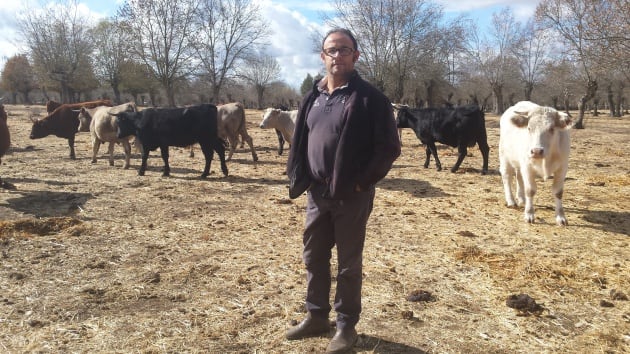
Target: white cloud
[
  {"x": 291, "y": 39},
  {"x": 292, "y": 22}
]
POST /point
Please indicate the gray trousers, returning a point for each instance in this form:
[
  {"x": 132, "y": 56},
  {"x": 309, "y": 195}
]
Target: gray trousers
[{"x": 340, "y": 223}]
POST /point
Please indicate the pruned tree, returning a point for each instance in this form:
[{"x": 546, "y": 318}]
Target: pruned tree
[
  {"x": 531, "y": 53},
  {"x": 571, "y": 20},
  {"x": 610, "y": 28},
  {"x": 59, "y": 44},
  {"x": 18, "y": 77},
  {"x": 112, "y": 50},
  {"x": 395, "y": 37},
  {"x": 230, "y": 31},
  {"x": 260, "y": 71},
  {"x": 137, "y": 79},
  {"x": 162, "y": 34},
  {"x": 493, "y": 54}
]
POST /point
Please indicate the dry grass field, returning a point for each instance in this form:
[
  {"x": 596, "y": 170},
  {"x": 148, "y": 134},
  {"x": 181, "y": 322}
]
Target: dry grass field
[{"x": 96, "y": 259}]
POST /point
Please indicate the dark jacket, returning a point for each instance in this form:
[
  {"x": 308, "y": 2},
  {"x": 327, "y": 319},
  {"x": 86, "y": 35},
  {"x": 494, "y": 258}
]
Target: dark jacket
[{"x": 368, "y": 143}]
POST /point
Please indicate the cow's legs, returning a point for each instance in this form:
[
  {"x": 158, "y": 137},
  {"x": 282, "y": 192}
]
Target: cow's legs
[
  {"x": 219, "y": 147},
  {"x": 250, "y": 142},
  {"x": 71, "y": 145},
  {"x": 167, "y": 168},
  {"x": 127, "y": 148},
  {"x": 485, "y": 152},
  {"x": 96, "y": 144},
  {"x": 529, "y": 184},
  {"x": 208, "y": 153},
  {"x": 280, "y": 142},
  {"x": 462, "y": 151},
  {"x": 558, "y": 189},
  {"x": 233, "y": 141},
  {"x": 110, "y": 150},
  {"x": 143, "y": 165},
  {"x": 520, "y": 188},
  {"x": 428, "y": 157},
  {"x": 431, "y": 148},
  {"x": 507, "y": 176}
]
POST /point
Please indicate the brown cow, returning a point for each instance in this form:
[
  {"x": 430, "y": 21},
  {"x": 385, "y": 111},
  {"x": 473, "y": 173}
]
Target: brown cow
[
  {"x": 5, "y": 138},
  {"x": 231, "y": 121},
  {"x": 63, "y": 122},
  {"x": 101, "y": 122},
  {"x": 52, "y": 105}
]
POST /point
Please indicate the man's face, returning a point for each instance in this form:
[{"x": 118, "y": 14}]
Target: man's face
[{"x": 339, "y": 55}]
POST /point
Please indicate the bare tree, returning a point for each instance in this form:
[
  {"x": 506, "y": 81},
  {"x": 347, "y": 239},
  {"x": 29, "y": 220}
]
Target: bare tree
[
  {"x": 229, "y": 31},
  {"x": 610, "y": 28},
  {"x": 261, "y": 71},
  {"x": 162, "y": 33},
  {"x": 493, "y": 55},
  {"x": 59, "y": 45},
  {"x": 531, "y": 54},
  {"x": 112, "y": 47},
  {"x": 572, "y": 19},
  {"x": 395, "y": 38}
]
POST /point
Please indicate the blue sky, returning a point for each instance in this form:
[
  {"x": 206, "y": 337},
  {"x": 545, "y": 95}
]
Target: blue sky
[{"x": 292, "y": 22}]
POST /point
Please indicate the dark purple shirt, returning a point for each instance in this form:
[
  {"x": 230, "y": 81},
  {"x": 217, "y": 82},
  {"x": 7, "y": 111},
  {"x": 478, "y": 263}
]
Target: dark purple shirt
[{"x": 324, "y": 122}]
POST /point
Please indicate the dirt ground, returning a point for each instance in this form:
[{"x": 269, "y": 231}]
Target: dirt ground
[{"x": 96, "y": 259}]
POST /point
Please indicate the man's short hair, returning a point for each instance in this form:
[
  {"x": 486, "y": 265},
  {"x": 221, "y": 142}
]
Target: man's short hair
[{"x": 344, "y": 31}]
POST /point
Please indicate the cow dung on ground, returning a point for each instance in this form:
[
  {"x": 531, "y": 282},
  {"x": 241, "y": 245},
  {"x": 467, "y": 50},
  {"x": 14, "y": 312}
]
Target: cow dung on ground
[{"x": 95, "y": 258}]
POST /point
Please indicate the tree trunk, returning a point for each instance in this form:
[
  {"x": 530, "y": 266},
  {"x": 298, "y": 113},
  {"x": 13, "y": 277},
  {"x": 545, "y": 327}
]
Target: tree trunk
[
  {"x": 260, "y": 90},
  {"x": 499, "y": 107},
  {"x": 609, "y": 97},
  {"x": 591, "y": 89},
  {"x": 618, "y": 112},
  {"x": 170, "y": 95},
  {"x": 529, "y": 88},
  {"x": 430, "y": 91},
  {"x": 566, "y": 100},
  {"x": 116, "y": 93}
]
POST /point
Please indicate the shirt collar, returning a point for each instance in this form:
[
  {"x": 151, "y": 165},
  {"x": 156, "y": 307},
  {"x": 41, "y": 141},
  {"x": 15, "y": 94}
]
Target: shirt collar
[{"x": 322, "y": 85}]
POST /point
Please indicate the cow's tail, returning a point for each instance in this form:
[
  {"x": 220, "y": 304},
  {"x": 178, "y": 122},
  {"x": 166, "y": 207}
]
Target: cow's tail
[
  {"x": 241, "y": 127},
  {"x": 483, "y": 134}
]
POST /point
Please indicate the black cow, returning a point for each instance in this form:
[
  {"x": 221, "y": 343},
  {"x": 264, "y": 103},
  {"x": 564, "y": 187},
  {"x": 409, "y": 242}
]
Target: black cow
[
  {"x": 460, "y": 127},
  {"x": 164, "y": 127}
]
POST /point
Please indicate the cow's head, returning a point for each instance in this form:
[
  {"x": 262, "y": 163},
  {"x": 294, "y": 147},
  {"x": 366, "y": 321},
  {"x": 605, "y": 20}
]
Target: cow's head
[
  {"x": 269, "y": 116},
  {"x": 543, "y": 125},
  {"x": 126, "y": 122},
  {"x": 85, "y": 118},
  {"x": 39, "y": 129},
  {"x": 404, "y": 117}
]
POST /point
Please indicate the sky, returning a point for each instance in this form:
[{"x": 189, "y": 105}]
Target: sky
[{"x": 292, "y": 23}]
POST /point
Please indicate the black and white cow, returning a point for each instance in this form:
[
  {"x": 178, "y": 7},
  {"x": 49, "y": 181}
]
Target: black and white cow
[
  {"x": 461, "y": 127},
  {"x": 164, "y": 127}
]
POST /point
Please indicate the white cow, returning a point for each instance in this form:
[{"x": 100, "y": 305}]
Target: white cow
[
  {"x": 103, "y": 127},
  {"x": 281, "y": 121},
  {"x": 232, "y": 123},
  {"x": 534, "y": 141}
]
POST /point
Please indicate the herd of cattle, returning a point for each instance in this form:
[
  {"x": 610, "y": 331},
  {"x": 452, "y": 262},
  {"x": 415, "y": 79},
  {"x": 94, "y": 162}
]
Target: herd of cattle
[{"x": 534, "y": 140}]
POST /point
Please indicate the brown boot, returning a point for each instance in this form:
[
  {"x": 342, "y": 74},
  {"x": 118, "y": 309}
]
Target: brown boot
[
  {"x": 343, "y": 341},
  {"x": 312, "y": 326}
]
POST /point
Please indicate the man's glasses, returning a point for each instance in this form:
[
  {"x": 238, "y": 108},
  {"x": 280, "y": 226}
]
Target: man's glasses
[{"x": 333, "y": 52}]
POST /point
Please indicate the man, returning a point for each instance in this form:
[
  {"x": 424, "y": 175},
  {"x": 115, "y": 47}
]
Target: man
[{"x": 345, "y": 141}]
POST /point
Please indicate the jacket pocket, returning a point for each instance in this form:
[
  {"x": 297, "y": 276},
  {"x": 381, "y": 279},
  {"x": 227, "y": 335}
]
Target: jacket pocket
[{"x": 299, "y": 180}]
